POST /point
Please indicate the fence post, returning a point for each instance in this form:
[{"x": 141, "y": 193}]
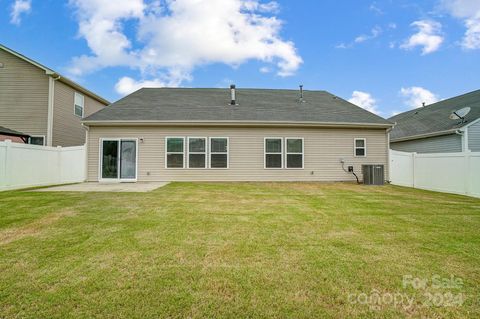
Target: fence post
[
  {"x": 8, "y": 163},
  {"x": 467, "y": 174},
  {"x": 85, "y": 157},
  {"x": 414, "y": 169},
  {"x": 59, "y": 164}
]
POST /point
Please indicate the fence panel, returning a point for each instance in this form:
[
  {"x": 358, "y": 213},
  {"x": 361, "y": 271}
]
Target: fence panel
[
  {"x": 474, "y": 167},
  {"x": 445, "y": 172},
  {"x": 24, "y": 165},
  {"x": 401, "y": 168}
]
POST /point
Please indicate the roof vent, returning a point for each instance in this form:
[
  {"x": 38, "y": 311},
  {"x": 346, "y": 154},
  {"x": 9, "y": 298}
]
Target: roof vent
[
  {"x": 301, "y": 100},
  {"x": 233, "y": 95}
]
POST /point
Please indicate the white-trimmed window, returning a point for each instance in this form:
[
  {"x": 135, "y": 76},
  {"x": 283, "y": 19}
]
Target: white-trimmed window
[
  {"x": 273, "y": 152},
  {"x": 36, "y": 140},
  {"x": 219, "y": 152},
  {"x": 294, "y": 152},
  {"x": 175, "y": 152},
  {"x": 78, "y": 104},
  {"x": 360, "y": 147},
  {"x": 197, "y": 152}
]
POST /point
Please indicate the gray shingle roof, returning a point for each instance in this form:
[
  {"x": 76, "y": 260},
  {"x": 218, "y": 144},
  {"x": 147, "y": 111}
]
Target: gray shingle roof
[
  {"x": 10, "y": 132},
  {"x": 434, "y": 118},
  {"x": 257, "y": 105}
]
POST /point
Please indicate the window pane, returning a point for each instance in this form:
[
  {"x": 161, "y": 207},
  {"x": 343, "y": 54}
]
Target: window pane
[
  {"x": 175, "y": 160},
  {"x": 79, "y": 99},
  {"x": 294, "y": 161},
  {"x": 360, "y": 143},
  {"x": 36, "y": 140},
  {"x": 110, "y": 159},
  {"x": 218, "y": 161},
  {"x": 218, "y": 145},
  {"x": 294, "y": 146},
  {"x": 196, "y": 144},
  {"x": 78, "y": 110},
  {"x": 128, "y": 159},
  {"x": 273, "y": 145},
  {"x": 360, "y": 152},
  {"x": 273, "y": 160},
  {"x": 175, "y": 145},
  {"x": 196, "y": 160}
]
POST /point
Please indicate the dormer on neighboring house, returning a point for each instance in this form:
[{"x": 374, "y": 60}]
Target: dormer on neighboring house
[{"x": 41, "y": 103}]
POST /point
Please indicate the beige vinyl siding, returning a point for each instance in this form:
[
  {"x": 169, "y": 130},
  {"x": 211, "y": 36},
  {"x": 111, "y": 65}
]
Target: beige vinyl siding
[
  {"x": 323, "y": 149},
  {"x": 23, "y": 96},
  {"x": 67, "y": 127}
]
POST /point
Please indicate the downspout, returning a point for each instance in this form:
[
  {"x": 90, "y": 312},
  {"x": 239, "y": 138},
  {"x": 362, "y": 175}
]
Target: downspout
[
  {"x": 464, "y": 134},
  {"x": 388, "y": 153},
  {"x": 51, "y": 101},
  {"x": 87, "y": 130}
]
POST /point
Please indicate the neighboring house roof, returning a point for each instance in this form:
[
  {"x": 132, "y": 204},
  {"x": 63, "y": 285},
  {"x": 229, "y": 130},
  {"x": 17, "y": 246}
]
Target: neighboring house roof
[
  {"x": 9, "y": 132},
  {"x": 255, "y": 106},
  {"x": 56, "y": 75},
  {"x": 434, "y": 119}
]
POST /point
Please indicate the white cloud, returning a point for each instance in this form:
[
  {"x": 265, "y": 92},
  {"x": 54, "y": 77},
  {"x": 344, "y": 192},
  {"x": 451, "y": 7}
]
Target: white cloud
[
  {"x": 265, "y": 69},
  {"x": 373, "y": 7},
  {"x": 127, "y": 85},
  {"x": 174, "y": 37},
  {"x": 364, "y": 100},
  {"x": 414, "y": 96},
  {"x": 375, "y": 32},
  {"x": 428, "y": 36},
  {"x": 19, "y": 7},
  {"x": 469, "y": 12}
]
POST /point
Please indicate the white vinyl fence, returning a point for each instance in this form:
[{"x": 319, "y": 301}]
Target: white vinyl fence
[
  {"x": 457, "y": 173},
  {"x": 24, "y": 165}
]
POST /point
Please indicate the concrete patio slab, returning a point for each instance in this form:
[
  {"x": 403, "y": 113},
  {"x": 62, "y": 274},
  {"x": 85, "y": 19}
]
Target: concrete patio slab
[{"x": 140, "y": 187}]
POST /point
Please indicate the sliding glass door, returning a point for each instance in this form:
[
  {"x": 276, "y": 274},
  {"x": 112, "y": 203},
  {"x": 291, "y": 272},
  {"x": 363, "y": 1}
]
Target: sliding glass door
[{"x": 119, "y": 159}]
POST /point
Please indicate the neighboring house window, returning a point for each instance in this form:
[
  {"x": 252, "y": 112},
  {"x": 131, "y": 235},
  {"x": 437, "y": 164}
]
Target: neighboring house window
[
  {"x": 175, "y": 152},
  {"x": 273, "y": 152},
  {"x": 294, "y": 151},
  {"x": 79, "y": 103},
  {"x": 218, "y": 152},
  {"x": 36, "y": 140},
  {"x": 360, "y": 147},
  {"x": 197, "y": 152}
]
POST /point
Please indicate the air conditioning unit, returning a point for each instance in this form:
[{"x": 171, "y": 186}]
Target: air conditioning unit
[{"x": 373, "y": 174}]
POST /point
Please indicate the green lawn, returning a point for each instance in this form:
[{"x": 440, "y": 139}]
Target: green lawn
[{"x": 238, "y": 250}]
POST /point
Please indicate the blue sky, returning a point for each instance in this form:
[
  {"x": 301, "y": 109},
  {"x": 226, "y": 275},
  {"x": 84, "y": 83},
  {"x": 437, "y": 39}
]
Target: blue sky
[{"x": 387, "y": 56}]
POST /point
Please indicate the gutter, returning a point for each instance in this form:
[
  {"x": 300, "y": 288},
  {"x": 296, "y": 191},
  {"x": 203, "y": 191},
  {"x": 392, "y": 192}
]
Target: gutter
[
  {"x": 79, "y": 88},
  {"x": 416, "y": 137},
  {"x": 236, "y": 123}
]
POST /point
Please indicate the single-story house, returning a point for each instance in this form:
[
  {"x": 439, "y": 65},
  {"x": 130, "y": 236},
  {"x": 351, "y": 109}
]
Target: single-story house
[
  {"x": 14, "y": 136},
  {"x": 430, "y": 129},
  {"x": 181, "y": 134}
]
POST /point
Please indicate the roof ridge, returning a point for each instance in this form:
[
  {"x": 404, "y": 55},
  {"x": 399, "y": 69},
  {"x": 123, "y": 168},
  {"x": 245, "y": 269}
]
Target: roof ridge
[{"x": 228, "y": 88}]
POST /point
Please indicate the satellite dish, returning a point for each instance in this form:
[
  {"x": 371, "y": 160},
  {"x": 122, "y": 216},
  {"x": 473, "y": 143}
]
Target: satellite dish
[{"x": 460, "y": 114}]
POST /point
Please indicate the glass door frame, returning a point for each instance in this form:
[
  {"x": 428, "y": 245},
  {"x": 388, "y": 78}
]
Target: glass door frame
[{"x": 119, "y": 150}]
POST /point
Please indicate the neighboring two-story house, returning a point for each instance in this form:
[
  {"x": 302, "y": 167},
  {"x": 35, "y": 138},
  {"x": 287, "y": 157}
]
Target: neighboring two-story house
[{"x": 42, "y": 104}]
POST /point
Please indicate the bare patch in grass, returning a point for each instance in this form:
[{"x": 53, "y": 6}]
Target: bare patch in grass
[{"x": 34, "y": 228}]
